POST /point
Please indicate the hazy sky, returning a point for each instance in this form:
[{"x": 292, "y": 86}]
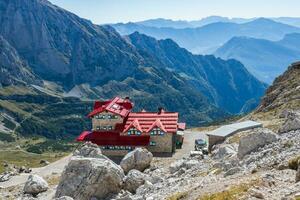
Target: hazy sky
[{"x": 112, "y": 11}]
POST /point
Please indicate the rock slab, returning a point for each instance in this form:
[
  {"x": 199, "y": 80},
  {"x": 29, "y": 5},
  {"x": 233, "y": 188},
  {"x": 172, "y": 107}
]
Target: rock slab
[
  {"x": 35, "y": 185},
  {"x": 258, "y": 138},
  {"x": 138, "y": 159}
]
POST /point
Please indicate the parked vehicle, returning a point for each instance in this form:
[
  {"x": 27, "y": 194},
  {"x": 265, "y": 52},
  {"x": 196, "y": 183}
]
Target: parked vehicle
[{"x": 201, "y": 145}]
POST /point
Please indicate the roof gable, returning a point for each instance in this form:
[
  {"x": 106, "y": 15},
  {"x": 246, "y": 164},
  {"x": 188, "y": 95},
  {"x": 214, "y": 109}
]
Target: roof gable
[
  {"x": 117, "y": 106},
  {"x": 156, "y": 124},
  {"x": 167, "y": 121}
]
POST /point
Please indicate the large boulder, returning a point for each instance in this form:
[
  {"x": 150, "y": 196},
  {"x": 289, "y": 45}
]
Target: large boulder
[
  {"x": 89, "y": 150},
  {"x": 292, "y": 122},
  {"x": 251, "y": 142},
  {"x": 35, "y": 185},
  {"x": 89, "y": 174},
  {"x": 5, "y": 176},
  {"x": 139, "y": 159},
  {"x": 133, "y": 180}
]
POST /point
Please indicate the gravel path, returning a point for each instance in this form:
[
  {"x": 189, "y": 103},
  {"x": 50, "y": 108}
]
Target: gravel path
[{"x": 53, "y": 168}]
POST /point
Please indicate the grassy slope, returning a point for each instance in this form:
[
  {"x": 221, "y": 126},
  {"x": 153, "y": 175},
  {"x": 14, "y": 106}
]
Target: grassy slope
[{"x": 40, "y": 123}]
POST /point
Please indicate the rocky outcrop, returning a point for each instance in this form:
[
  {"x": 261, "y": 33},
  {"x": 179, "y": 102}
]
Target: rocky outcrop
[
  {"x": 133, "y": 180},
  {"x": 139, "y": 159},
  {"x": 87, "y": 177},
  {"x": 89, "y": 150},
  {"x": 292, "y": 122},
  {"x": 35, "y": 185},
  {"x": 254, "y": 140},
  {"x": 283, "y": 93}
]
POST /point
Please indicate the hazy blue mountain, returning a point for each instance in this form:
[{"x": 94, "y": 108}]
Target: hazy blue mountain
[
  {"x": 226, "y": 83},
  {"x": 293, "y": 21},
  {"x": 168, "y": 23},
  {"x": 160, "y": 22},
  {"x": 265, "y": 59},
  {"x": 208, "y": 38}
]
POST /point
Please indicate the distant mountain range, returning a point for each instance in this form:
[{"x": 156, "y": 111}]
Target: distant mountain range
[
  {"x": 161, "y": 22},
  {"x": 206, "y": 39},
  {"x": 265, "y": 59},
  {"x": 60, "y": 54}
]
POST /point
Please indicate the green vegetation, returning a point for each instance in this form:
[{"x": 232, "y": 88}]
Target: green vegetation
[
  {"x": 21, "y": 158},
  {"x": 233, "y": 193},
  {"x": 6, "y": 137},
  {"x": 41, "y": 114},
  {"x": 293, "y": 163},
  {"x": 50, "y": 146}
]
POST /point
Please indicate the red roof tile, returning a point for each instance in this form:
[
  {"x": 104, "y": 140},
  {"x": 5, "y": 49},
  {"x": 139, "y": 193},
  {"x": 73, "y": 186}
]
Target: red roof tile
[
  {"x": 167, "y": 121},
  {"x": 117, "y": 106}
]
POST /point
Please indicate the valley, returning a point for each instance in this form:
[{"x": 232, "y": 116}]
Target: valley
[{"x": 169, "y": 82}]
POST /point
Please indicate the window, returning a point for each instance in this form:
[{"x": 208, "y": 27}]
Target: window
[
  {"x": 98, "y": 128},
  {"x": 134, "y": 131},
  {"x": 152, "y": 143},
  {"x": 156, "y": 131},
  {"x": 109, "y": 127}
]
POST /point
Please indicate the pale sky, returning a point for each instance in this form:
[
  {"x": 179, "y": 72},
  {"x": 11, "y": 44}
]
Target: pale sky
[{"x": 112, "y": 11}]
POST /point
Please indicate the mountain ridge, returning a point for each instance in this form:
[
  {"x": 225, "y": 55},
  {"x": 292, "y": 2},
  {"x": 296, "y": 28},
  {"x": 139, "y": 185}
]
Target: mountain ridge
[
  {"x": 264, "y": 58},
  {"x": 206, "y": 39}
]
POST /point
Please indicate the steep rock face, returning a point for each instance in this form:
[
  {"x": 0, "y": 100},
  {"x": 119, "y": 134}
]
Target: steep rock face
[
  {"x": 226, "y": 83},
  {"x": 60, "y": 46},
  {"x": 284, "y": 93},
  {"x": 13, "y": 69}
]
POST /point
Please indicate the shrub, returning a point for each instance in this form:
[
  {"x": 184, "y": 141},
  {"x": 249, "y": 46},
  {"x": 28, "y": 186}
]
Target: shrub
[
  {"x": 7, "y": 137},
  {"x": 293, "y": 163}
]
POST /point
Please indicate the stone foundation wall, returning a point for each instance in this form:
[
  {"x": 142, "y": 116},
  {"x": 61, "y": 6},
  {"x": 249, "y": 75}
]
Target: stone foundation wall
[{"x": 164, "y": 143}]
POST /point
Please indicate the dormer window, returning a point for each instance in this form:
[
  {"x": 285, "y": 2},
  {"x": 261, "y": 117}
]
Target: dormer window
[
  {"x": 156, "y": 131},
  {"x": 133, "y": 131}
]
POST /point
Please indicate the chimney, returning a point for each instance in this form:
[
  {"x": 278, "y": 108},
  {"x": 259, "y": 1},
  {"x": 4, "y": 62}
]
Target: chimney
[{"x": 160, "y": 110}]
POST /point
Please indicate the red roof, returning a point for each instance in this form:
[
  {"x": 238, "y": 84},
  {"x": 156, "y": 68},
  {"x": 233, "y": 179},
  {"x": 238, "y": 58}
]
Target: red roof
[
  {"x": 113, "y": 138},
  {"x": 166, "y": 121},
  {"x": 181, "y": 126},
  {"x": 117, "y": 106}
]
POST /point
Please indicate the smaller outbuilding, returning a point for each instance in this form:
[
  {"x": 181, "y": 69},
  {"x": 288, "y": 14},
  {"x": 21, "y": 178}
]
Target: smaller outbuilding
[{"x": 220, "y": 134}]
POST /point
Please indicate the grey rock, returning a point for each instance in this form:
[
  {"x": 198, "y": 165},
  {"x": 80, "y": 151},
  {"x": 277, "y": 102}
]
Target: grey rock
[
  {"x": 35, "y": 185},
  {"x": 232, "y": 171},
  {"x": 44, "y": 162},
  {"x": 139, "y": 159},
  {"x": 224, "y": 151},
  {"x": 256, "y": 193},
  {"x": 251, "y": 142},
  {"x": 84, "y": 178},
  {"x": 133, "y": 180},
  {"x": 5, "y": 176},
  {"x": 123, "y": 195},
  {"x": 175, "y": 166},
  {"x": 292, "y": 122},
  {"x": 89, "y": 150},
  {"x": 64, "y": 198}
]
